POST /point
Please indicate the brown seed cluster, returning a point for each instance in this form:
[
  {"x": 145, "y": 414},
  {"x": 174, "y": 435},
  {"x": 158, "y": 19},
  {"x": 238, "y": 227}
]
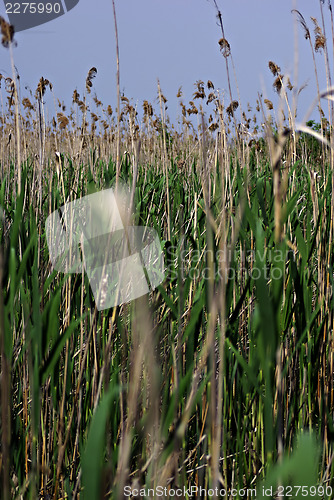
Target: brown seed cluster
[
  {"x": 91, "y": 75},
  {"x": 303, "y": 24},
  {"x": 27, "y": 104},
  {"x": 274, "y": 68},
  {"x": 62, "y": 120},
  {"x": 148, "y": 109},
  {"x": 179, "y": 93},
  {"x": 225, "y": 47},
  {"x": 278, "y": 82},
  {"x": 199, "y": 93},
  {"x": 41, "y": 87},
  {"x": 269, "y": 104},
  {"x": 232, "y": 107},
  {"x": 320, "y": 39},
  {"x": 7, "y": 31},
  {"x": 76, "y": 100}
]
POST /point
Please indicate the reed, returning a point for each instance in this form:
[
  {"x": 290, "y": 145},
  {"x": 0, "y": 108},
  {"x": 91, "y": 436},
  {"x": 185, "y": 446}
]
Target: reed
[{"x": 222, "y": 377}]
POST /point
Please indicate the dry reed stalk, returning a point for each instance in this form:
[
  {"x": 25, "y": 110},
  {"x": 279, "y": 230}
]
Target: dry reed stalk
[
  {"x": 307, "y": 35},
  {"x": 7, "y": 41},
  {"x": 165, "y": 159},
  {"x": 321, "y": 43},
  {"x": 62, "y": 449},
  {"x": 5, "y": 395},
  {"x": 118, "y": 144},
  {"x": 226, "y": 50},
  {"x": 216, "y": 364},
  {"x": 143, "y": 362}
]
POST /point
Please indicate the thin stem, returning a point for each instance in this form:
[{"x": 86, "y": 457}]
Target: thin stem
[{"x": 118, "y": 99}]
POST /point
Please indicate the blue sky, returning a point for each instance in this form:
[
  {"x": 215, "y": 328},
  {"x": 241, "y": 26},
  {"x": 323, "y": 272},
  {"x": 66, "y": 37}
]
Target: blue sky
[{"x": 175, "y": 41}]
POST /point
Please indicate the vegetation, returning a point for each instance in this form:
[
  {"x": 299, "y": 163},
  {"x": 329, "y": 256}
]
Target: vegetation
[{"x": 223, "y": 376}]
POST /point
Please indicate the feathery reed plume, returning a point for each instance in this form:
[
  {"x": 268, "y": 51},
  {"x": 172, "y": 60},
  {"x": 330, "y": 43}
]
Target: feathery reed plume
[
  {"x": 179, "y": 92},
  {"x": 269, "y": 104},
  {"x": 91, "y": 75},
  {"x": 278, "y": 84},
  {"x": 82, "y": 106},
  {"x": 109, "y": 110},
  {"x": 303, "y": 24},
  {"x": 320, "y": 39},
  {"x": 200, "y": 93},
  {"x": 75, "y": 97},
  {"x": 98, "y": 103},
  {"x": 7, "y": 31},
  {"x": 193, "y": 110},
  {"x": 232, "y": 107},
  {"x": 27, "y": 104},
  {"x": 210, "y": 85},
  {"x": 274, "y": 68},
  {"x": 62, "y": 120},
  {"x": 41, "y": 88},
  {"x": 183, "y": 109},
  {"x": 211, "y": 97},
  {"x": 213, "y": 127},
  {"x": 10, "y": 89},
  {"x": 163, "y": 98},
  {"x": 148, "y": 109},
  {"x": 225, "y": 47}
]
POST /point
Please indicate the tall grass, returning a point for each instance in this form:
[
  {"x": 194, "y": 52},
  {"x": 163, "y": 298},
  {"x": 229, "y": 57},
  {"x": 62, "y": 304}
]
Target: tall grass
[{"x": 210, "y": 379}]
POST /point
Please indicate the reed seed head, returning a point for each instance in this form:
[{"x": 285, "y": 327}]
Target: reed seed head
[
  {"x": 41, "y": 87},
  {"x": 232, "y": 107},
  {"x": 278, "y": 83},
  {"x": 225, "y": 47},
  {"x": 75, "y": 97},
  {"x": 91, "y": 75},
  {"x": 62, "y": 120},
  {"x": 269, "y": 104},
  {"x": 274, "y": 68},
  {"x": 303, "y": 24},
  {"x": 320, "y": 39},
  {"x": 7, "y": 31},
  {"x": 148, "y": 109},
  {"x": 179, "y": 92}
]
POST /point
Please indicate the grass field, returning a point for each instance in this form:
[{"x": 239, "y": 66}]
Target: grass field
[{"x": 222, "y": 378}]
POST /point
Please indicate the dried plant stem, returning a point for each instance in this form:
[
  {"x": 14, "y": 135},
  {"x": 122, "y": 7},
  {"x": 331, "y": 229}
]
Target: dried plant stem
[
  {"x": 5, "y": 395},
  {"x": 308, "y": 37},
  {"x": 220, "y": 18},
  {"x": 164, "y": 159},
  {"x": 327, "y": 67},
  {"x": 17, "y": 120},
  {"x": 118, "y": 145}
]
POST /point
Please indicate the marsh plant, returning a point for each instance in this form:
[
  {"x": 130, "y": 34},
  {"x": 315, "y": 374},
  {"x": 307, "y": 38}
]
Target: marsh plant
[{"x": 221, "y": 378}]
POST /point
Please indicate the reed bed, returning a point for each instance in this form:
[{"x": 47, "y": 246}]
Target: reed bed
[{"x": 222, "y": 377}]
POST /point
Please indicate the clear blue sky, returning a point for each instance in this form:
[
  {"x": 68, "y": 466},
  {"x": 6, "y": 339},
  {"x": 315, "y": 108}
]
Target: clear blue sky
[{"x": 173, "y": 40}]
